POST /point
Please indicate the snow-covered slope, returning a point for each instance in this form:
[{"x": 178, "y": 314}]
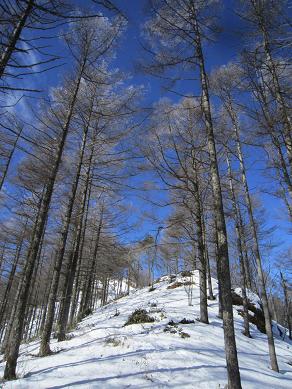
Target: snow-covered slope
[{"x": 104, "y": 354}]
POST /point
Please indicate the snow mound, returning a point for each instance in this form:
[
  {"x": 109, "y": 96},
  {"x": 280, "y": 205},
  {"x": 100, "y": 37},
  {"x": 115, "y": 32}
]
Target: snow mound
[{"x": 174, "y": 351}]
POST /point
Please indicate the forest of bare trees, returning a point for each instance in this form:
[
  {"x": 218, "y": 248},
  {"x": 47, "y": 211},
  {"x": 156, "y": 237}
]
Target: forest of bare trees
[{"x": 101, "y": 191}]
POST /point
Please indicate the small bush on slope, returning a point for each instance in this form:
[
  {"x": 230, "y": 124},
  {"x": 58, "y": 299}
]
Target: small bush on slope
[
  {"x": 186, "y": 273},
  {"x": 115, "y": 342},
  {"x": 173, "y": 328},
  {"x": 183, "y": 321},
  {"x": 186, "y": 321},
  {"x": 184, "y": 335},
  {"x": 139, "y": 316}
]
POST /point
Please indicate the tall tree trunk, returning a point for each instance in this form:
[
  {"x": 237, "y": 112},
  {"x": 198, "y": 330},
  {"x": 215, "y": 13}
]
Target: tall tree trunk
[
  {"x": 79, "y": 276},
  {"x": 282, "y": 167},
  {"x": 9, "y": 160},
  {"x": 34, "y": 293},
  {"x": 207, "y": 259},
  {"x": 105, "y": 285},
  {"x": 45, "y": 341},
  {"x": 11, "y": 45},
  {"x": 72, "y": 264},
  {"x": 287, "y": 304},
  {"x": 86, "y": 294},
  {"x": 77, "y": 248},
  {"x": 45, "y": 305},
  {"x": 256, "y": 250},
  {"x": 276, "y": 83},
  {"x": 2, "y": 260},
  {"x": 223, "y": 256},
  {"x": 198, "y": 215},
  {"x": 220, "y": 311},
  {"x": 246, "y": 260},
  {"x": 11, "y": 277},
  {"x": 8, "y": 329},
  {"x": 239, "y": 233},
  {"x": 16, "y": 334}
]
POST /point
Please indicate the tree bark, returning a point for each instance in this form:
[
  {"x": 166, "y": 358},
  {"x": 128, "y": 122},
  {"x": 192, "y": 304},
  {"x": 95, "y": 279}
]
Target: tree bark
[
  {"x": 207, "y": 260},
  {"x": 72, "y": 262},
  {"x": 223, "y": 256},
  {"x": 85, "y": 303},
  {"x": 11, "y": 278},
  {"x": 239, "y": 233},
  {"x": 256, "y": 250},
  {"x": 287, "y": 304},
  {"x": 8, "y": 329},
  {"x": 201, "y": 246},
  {"x": 276, "y": 85},
  {"x": 45, "y": 341},
  {"x": 6, "y": 55},
  {"x": 78, "y": 281},
  {"x": 9, "y": 160},
  {"x": 16, "y": 335},
  {"x": 284, "y": 169}
]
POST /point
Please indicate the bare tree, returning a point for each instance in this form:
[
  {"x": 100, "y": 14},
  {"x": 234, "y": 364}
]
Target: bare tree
[
  {"x": 177, "y": 31},
  {"x": 225, "y": 82},
  {"x": 86, "y": 54}
]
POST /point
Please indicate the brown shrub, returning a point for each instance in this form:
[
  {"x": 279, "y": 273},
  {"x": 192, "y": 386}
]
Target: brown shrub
[
  {"x": 139, "y": 316},
  {"x": 186, "y": 273}
]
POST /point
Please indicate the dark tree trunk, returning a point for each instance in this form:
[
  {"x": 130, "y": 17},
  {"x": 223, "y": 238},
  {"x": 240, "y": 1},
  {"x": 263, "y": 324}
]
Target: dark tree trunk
[
  {"x": 207, "y": 259},
  {"x": 72, "y": 263},
  {"x": 287, "y": 304},
  {"x": 276, "y": 87},
  {"x": 282, "y": 165},
  {"x": 2, "y": 257},
  {"x": 223, "y": 256},
  {"x": 16, "y": 334},
  {"x": 201, "y": 247},
  {"x": 239, "y": 233},
  {"x": 45, "y": 341},
  {"x": 5, "y": 343},
  {"x": 256, "y": 250},
  {"x": 86, "y": 295},
  {"x": 9, "y": 160},
  {"x": 79, "y": 277},
  {"x": 11, "y": 45},
  {"x": 104, "y": 295},
  {"x": 11, "y": 279}
]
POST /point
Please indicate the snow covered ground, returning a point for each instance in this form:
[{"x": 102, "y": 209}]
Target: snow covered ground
[{"x": 104, "y": 354}]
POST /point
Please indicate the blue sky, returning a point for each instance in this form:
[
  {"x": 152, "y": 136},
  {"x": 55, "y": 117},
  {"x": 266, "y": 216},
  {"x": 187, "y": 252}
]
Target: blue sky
[{"x": 225, "y": 49}]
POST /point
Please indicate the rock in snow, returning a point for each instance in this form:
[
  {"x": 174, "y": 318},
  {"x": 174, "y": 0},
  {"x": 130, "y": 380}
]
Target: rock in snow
[{"x": 167, "y": 353}]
